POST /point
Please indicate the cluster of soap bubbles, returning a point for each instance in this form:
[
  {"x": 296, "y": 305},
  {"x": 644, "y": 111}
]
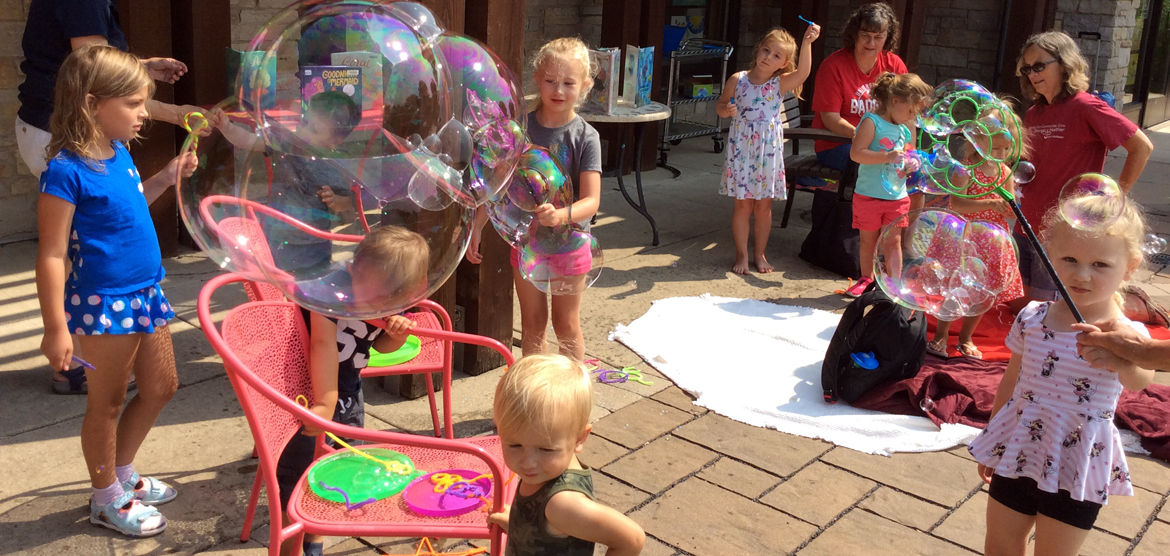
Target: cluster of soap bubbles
[
  {"x": 349, "y": 124},
  {"x": 936, "y": 261},
  {"x": 965, "y": 128}
]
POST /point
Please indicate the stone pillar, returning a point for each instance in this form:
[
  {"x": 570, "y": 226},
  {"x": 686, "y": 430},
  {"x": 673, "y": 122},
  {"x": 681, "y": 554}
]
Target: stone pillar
[{"x": 1114, "y": 19}]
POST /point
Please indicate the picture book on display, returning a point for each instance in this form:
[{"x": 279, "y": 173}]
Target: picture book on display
[
  {"x": 372, "y": 80},
  {"x": 645, "y": 75},
  {"x": 630, "y": 75},
  {"x": 254, "y": 79},
  {"x": 603, "y": 97},
  {"x": 319, "y": 79}
]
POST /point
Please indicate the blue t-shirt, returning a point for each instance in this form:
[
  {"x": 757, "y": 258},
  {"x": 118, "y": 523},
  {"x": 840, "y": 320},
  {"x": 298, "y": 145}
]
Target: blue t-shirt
[
  {"x": 112, "y": 243},
  {"x": 51, "y": 23},
  {"x": 886, "y": 137}
]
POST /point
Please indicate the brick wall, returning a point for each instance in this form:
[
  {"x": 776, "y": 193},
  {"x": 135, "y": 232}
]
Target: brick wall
[
  {"x": 18, "y": 189},
  {"x": 1114, "y": 19},
  {"x": 959, "y": 40}
]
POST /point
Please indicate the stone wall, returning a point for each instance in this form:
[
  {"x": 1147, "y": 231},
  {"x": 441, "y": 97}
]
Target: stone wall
[
  {"x": 1114, "y": 19},
  {"x": 960, "y": 39},
  {"x": 18, "y": 189}
]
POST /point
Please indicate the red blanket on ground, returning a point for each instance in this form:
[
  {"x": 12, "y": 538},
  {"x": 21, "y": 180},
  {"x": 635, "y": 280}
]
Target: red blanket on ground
[{"x": 962, "y": 390}]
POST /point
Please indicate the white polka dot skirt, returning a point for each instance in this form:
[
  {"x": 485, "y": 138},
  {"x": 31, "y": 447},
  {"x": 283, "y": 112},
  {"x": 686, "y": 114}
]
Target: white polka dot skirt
[{"x": 130, "y": 313}]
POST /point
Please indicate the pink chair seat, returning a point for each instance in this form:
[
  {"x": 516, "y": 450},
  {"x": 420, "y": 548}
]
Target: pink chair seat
[{"x": 323, "y": 515}]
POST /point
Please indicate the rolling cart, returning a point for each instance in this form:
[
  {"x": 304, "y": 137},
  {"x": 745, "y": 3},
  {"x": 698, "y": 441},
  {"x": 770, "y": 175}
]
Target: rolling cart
[{"x": 676, "y": 128}]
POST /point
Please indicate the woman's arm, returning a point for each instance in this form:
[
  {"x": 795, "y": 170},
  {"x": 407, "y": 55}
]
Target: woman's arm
[
  {"x": 835, "y": 123},
  {"x": 574, "y": 514},
  {"x": 1137, "y": 152},
  {"x": 54, "y": 219},
  {"x": 723, "y": 106},
  {"x": 860, "y": 151}
]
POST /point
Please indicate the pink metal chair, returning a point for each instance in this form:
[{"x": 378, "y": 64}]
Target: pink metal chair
[{"x": 264, "y": 347}]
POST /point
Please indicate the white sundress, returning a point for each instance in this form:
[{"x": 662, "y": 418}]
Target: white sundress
[
  {"x": 755, "y": 147},
  {"x": 1057, "y": 427}
]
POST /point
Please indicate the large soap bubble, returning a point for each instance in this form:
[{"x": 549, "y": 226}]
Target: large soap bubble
[
  {"x": 538, "y": 180},
  {"x": 1108, "y": 202},
  {"x": 936, "y": 261},
  {"x": 569, "y": 270},
  {"x": 965, "y": 128}
]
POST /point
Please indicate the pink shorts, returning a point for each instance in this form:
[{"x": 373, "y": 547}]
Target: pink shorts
[
  {"x": 871, "y": 215},
  {"x": 573, "y": 263}
]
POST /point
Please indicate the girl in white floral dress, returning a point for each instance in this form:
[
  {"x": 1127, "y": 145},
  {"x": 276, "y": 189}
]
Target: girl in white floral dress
[{"x": 754, "y": 171}]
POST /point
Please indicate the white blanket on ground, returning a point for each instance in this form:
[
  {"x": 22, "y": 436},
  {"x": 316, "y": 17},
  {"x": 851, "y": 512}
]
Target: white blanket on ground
[{"x": 760, "y": 363}]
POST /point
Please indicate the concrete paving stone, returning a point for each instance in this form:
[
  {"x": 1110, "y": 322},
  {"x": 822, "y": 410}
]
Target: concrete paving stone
[
  {"x": 1149, "y": 473},
  {"x": 640, "y": 422},
  {"x": 968, "y": 524},
  {"x": 612, "y": 397},
  {"x": 1125, "y": 515},
  {"x": 776, "y": 452},
  {"x": 818, "y": 493},
  {"x": 234, "y": 547},
  {"x": 739, "y": 478},
  {"x": 615, "y": 494},
  {"x": 599, "y": 452},
  {"x": 651, "y": 548},
  {"x": 661, "y": 463},
  {"x": 471, "y": 405},
  {"x": 962, "y": 452},
  {"x": 1156, "y": 541},
  {"x": 1100, "y": 543},
  {"x": 701, "y": 518},
  {"x": 679, "y": 399},
  {"x": 940, "y": 477},
  {"x": 879, "y": 536},
  {"x": 1164, "y": 515},
  {"x": 903, "y": 508}
]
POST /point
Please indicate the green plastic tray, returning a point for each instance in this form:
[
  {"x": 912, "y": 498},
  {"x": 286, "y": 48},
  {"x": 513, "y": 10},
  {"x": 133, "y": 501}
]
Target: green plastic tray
[
  {"x": 408, "y": 351},
  {"x": 359, "y": 477}
]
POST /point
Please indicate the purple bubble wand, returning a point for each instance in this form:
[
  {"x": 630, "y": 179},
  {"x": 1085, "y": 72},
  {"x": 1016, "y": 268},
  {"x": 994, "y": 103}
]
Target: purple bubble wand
[{"x": 348, "y": 505}]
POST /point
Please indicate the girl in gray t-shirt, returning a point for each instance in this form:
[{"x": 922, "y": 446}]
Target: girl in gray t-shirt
[{"x": 563, "y": 74}]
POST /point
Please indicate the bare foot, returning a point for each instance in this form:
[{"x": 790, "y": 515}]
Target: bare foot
[
  {"x": 741, "y": 265},
  {"x": 762, "y": 264}
]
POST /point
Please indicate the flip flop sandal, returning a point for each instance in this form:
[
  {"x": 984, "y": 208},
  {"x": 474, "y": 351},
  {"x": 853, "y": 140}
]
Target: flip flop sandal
[
  {"x": 970, "y": 351},
  {"x": 932, "y": 348},
  {"x": 1155, "y": 313},
  {"x": 74, "y": 383}
]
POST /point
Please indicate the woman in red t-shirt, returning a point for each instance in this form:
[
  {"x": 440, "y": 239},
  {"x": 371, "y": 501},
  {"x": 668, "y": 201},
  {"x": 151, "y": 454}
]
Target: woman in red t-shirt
[
  {"x": 844, "y": 78},
  {"x": 1070, "y": 131}
]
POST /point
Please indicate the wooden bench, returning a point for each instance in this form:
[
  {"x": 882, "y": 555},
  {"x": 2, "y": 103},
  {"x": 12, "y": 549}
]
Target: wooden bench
[{"x": 806, "y": 165}]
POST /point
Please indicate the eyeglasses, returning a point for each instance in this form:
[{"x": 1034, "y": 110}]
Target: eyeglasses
[{"x": 1035, "y": 68}]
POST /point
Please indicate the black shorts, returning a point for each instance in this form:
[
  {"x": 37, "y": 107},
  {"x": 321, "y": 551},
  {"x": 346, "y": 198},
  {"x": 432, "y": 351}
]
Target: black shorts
[
  {"x": 1023, "y": 495},
  {"x": 298, "y": 453}
]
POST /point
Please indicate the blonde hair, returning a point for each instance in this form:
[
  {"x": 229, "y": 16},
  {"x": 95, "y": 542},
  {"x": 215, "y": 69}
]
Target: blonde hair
[
  {"x": 1012, "y": 123},
  {"x": 98, "y": 70},
  {"x": 566, "y": 50},
  {"x": 398, "y": 254},
  {"x": 788, "y": 46},
  {"x": 907, "y": 86},
  {"x": 551, "y": 393},
  {"x": 1130, "y": 226},
  {"x": 1075, "y": 68}
]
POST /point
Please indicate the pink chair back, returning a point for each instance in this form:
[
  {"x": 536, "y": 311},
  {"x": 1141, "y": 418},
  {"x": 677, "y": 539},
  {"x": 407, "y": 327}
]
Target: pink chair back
[{"x": 236, "y": 227}]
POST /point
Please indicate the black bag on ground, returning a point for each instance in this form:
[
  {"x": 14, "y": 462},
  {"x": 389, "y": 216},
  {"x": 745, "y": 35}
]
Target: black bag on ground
[
  {"x": 873, "y": 323},
  {"x": 832, "y": 243}
]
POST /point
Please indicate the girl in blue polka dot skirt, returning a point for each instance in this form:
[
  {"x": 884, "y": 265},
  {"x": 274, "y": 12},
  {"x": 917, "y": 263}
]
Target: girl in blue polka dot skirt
[{"x": 93, "y": 211}]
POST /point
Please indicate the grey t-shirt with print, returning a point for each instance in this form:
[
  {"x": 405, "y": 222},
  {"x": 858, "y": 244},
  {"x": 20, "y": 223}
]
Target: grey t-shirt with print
[{"x": 575, "y": 145}]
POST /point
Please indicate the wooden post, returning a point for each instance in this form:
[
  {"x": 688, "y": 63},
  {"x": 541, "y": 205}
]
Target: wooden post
[
  {"x": 485, "y": 290},
  {"x": 147, "y": 26}
]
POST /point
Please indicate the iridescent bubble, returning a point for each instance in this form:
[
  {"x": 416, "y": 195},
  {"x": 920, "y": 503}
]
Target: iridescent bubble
[
  {"x": 936, "y": 261},
  {"x": 419, "y": 18},
  {"x": 1153, "y": 244},
  {"x": 1091, "y": 202},
  {"x": 1025, "y": 172},
  {"x": 538, "y": 180},
  {"x": 569, "y": 270}
]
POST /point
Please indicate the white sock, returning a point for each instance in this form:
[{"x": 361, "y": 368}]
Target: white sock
[
  {"x": 124, "y": 472},
  {"x": 102, "y": 497}
]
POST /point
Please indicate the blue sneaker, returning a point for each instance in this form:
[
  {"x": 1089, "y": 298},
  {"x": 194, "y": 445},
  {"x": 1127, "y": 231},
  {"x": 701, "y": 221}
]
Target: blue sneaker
[
  {"x": 128, "y": 516},
  {"x": 149, "y": 490}
]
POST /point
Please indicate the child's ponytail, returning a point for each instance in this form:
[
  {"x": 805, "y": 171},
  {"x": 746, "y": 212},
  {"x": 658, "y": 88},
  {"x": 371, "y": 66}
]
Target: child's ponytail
[{"x": 907, "y": 87}]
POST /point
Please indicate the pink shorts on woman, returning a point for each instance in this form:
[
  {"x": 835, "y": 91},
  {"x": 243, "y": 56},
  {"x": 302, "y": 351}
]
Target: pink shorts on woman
[{"x": 871, "y": 214}]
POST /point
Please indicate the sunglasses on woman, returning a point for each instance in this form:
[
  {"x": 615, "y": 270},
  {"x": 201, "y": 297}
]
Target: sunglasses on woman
[{"x": 1035, "y": 68}]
